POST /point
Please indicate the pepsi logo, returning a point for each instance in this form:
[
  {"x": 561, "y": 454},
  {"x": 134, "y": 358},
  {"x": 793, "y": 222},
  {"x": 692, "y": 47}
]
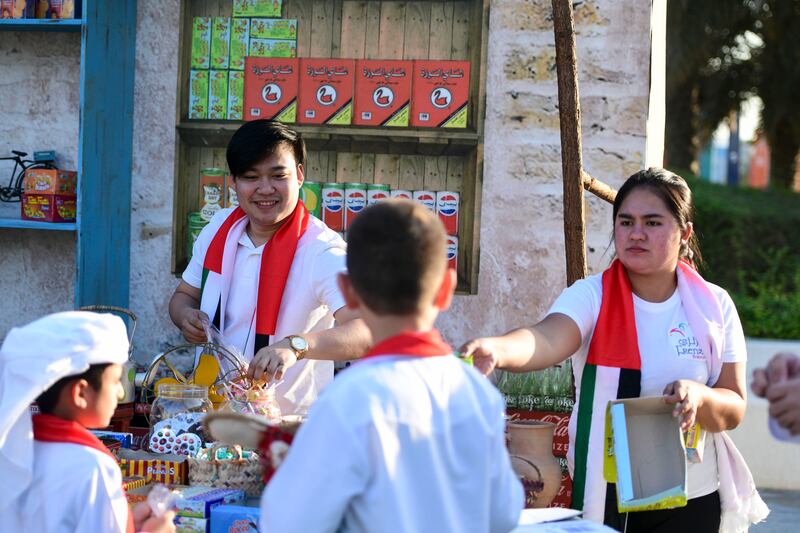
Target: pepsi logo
[
  {"x": 452, "y": 251},
  {"x": 356, "y": 201},
  {"x": 441, "y": 97},
  {"x": 426, "y": 198},
  {"x": 380, "y": 196},
  {"x": 332, "y": 201},
  {"x": 326, "y": 95},
  {"x": 271, "y": 93},
  {"x": 447, "y": 205},
  {"x": 383, "y": 97}
]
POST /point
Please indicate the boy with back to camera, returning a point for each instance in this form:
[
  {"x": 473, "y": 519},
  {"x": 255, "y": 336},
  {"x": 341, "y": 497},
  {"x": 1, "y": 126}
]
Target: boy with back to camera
[
  {"x": 410, "y": 438},
  {"x": 57, "y": 476}
]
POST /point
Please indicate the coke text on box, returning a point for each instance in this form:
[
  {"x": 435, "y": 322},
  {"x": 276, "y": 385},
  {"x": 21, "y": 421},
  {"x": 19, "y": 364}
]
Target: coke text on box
[
  {"x": 560, "y": 434},
  {"x": 270, "y": 88},
  {"x": 326, "y": 91}
]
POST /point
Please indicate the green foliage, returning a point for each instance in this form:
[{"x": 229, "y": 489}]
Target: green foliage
[{"x": 750, "y": 241}]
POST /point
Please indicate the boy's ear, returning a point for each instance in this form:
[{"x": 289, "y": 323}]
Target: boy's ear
[
  {"x": 444, "y": 296},
  {"x": 351, "y": 298},
  {"x": 78, "y": 393},
  {"x": 301, "y": 174}
]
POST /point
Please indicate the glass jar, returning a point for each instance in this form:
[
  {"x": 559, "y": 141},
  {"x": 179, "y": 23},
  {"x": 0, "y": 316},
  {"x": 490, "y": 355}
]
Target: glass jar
[
  {"x": 176, "y": 419},
  {"x": 255, "y": 401}
]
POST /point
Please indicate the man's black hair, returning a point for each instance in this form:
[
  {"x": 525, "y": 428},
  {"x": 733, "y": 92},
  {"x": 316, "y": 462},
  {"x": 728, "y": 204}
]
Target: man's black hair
[
  {"x": 48, "y": 400},
  {"x": 257, "y": 140}
]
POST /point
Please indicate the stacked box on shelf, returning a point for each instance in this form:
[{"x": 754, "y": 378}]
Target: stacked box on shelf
[
  {"x": 17, "y": 9},
  {"x": 383, "y": 92},
  {"x": 49, "y": 195},
  {"x": 325, "y": 95},
  {"x": 257, "y": 8}
]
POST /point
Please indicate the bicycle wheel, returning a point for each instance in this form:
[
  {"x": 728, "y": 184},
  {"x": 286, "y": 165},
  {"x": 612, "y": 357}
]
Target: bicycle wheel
[{"x": 13, "y": 193}]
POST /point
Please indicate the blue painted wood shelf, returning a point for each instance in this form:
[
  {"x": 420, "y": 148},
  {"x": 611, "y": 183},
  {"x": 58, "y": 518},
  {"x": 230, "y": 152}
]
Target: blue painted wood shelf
[
  {"x": 70, "y": 25},
  {"x": 31, "y": 224}
]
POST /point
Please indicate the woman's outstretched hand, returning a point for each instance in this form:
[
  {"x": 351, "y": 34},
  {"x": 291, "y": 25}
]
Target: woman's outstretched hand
[{"x": 484, "y": 352}]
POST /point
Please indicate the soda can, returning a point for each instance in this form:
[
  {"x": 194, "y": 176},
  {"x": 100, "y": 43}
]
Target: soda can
[
  {"x": 447, "y": 209},
  {"x": 426, "y": 198},
  {"x": 333, "y": 205},
  {"x": 377, "y": 192},
  {"x": 402, "y": 193},
  {"x": 355, "y": 200},
  {"x": 311, "y": 194},
  {"x": 452, "y": 252}
]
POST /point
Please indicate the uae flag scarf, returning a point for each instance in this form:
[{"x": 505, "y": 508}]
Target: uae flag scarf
[
  {"x": 276, "y": 261},
  {"x": 613, "y": 369},
  {"x": 49, "y": 428}
]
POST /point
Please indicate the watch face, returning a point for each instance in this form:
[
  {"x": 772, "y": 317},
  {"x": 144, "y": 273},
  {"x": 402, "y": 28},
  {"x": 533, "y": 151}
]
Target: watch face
[{"x": 299, "y": 343}]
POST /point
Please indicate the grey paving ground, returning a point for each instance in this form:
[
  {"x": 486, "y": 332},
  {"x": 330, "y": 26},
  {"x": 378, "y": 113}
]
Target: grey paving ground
[{"x": 784, "y": 513}]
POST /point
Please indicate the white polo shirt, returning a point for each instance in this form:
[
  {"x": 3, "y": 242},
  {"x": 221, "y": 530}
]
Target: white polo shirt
[
  {"x": 310, "y": 298},
  {"x": 399, "y": 444}
]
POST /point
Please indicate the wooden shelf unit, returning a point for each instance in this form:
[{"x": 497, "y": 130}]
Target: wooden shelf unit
[{"x": 408, "y": 158}]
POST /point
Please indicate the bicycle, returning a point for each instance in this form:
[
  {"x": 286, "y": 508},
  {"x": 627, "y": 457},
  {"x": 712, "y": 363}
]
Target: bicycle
[{"x": 13, "y": 192}]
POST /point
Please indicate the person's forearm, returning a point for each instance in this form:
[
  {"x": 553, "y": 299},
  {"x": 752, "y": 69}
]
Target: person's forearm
[
  {"x": 348, "y": 341},
  {"x": 178, "y": 304},
  {"x": 516, "y": 351},
  {"x": 721, "y": 409}
]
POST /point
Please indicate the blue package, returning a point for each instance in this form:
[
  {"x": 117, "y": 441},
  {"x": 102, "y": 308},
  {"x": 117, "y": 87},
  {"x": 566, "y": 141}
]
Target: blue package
[{"x": 234, "y": 519}]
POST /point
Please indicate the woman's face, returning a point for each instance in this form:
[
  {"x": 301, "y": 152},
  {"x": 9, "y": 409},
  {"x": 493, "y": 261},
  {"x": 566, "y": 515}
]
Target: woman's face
[{"x": 646, "y": 235}]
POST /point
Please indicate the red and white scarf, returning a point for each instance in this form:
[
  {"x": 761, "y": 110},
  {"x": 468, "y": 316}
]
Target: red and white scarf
[
  {"x": 276, "y": 262},
  {"x": 412, "y": 344},
  {"x": 49, "y": 428}
]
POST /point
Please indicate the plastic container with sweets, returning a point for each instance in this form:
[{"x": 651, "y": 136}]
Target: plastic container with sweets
[{"x": 176, "y": 419}]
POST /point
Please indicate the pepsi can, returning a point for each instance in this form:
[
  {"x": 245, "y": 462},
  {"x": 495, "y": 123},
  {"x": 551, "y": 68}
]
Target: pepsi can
[
  {"x": 447, "y": 209},
  {"x": 355, "y": 200},
  {"x": 426, "y": 198},
  {"x": 333, "y": 206},
  {"x": 452, "y": 252},
  {"x": 310, "y": 194},
  {"x": 377, "y": 192},
  {"x": 402, "y": 193}
]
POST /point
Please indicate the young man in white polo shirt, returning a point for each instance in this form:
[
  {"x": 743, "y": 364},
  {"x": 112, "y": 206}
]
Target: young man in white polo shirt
[
  {"x": 410, "y": 438},
  {"x": 265, "y": 273}
]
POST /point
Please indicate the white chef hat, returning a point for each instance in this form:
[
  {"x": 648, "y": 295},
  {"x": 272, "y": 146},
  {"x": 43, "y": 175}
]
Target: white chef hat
[{"x": 32, "y": 359}]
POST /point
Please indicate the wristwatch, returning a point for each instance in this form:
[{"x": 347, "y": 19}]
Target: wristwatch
[{"x": 298, "y": 345}]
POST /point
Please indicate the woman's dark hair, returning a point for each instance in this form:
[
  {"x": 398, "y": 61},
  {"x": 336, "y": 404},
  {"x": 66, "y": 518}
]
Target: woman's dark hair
[
  {"x": 676, "y": 195},
  {"x": 48, "y": 400},
  {"x": 257, "y": 140}
]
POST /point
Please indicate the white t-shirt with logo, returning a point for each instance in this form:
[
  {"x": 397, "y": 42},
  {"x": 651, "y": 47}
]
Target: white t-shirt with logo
[
  {"x": 668, "y": 349},
  {"x": 310, "y": 297}
]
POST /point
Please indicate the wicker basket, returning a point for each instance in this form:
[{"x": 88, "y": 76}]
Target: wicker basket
[{"x": 237, "y": 473}]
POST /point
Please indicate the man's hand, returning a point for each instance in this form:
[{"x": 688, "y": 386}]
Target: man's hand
[
  {"x": 145, "y": 520},
  {"x": 783, "y": 366},
  {"x": 271, "y": 362},
  {"x": 687, "y": 395},
  {"x": 192, "y": 325},
  {"x": 784, "y": 404},
  {"x": 485, "y": 355}
]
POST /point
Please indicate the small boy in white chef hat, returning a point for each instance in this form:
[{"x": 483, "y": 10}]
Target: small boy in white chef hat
[{"x": 57, "y": 476}]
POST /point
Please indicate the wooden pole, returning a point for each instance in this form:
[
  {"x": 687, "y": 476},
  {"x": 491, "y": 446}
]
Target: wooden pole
[{"x": 571, "y": 159}]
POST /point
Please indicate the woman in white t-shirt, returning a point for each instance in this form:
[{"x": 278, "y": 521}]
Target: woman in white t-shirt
[{"x": 649, "y": 325}]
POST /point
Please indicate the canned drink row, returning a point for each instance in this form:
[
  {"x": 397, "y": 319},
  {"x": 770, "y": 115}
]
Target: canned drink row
[{"x": 340, "y": 203}]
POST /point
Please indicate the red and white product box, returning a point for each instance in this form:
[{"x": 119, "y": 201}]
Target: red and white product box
[
  {"x": 333, "y": 206},
  {"x": 452, "y": 252},
  {"x": 426, "y": 198},
  {"x": 402, "y": 193},
  {"x": 270, "y": 88},
  {"x": 440, "y": 94},
  {"x": 383, "y": 92},
  {"x": 326, "y": 91},
  {"x": 355, "y": 200},
  {"x": 447, "y": 209}
]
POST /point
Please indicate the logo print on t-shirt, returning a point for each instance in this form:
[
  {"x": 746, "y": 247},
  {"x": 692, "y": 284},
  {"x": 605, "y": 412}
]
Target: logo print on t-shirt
[{"x": 685, "y": 343}]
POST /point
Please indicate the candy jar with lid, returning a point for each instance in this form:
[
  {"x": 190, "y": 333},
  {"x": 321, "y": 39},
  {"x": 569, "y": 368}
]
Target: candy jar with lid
[{"x": 176, "y": 419}]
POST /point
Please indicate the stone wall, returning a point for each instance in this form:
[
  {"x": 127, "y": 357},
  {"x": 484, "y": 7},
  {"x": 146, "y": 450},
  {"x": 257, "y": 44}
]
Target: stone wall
[
  {"x": 520, "y": 271},
  {"x": 39, "y": 110}
]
